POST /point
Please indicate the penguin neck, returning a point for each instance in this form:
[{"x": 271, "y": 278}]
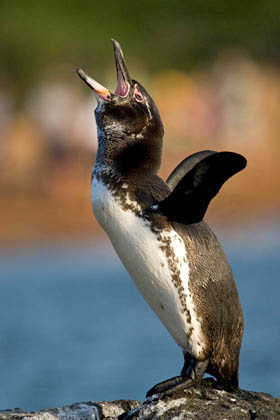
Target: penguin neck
[{"x": 128, "y": 155}]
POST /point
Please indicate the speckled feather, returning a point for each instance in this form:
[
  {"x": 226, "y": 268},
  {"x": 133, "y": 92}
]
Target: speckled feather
[
  {"x": 155, "y": 257},
  {"x": 181, "y": 270}
]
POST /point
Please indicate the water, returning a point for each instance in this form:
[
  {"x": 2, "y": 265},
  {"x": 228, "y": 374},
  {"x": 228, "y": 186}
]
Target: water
[{"x": 74, "y": 328}]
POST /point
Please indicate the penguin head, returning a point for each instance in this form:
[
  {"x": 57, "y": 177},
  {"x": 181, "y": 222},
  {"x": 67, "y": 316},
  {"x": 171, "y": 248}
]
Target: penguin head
[{"x": 128, "y": 120}]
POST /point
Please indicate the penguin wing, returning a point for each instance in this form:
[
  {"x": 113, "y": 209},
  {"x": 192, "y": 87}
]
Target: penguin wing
[
  {"x": 189, "y": 200},
  {"x": 185, "y": 166}
]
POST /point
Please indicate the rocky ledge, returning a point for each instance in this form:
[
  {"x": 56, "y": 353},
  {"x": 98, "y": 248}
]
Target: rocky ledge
[{"x": 203, "y": 402}]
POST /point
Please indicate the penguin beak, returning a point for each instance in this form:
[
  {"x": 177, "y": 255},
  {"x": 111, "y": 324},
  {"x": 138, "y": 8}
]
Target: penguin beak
[
  {"x": 123, "y": 78},
  {"x": 98, "y": 89}
]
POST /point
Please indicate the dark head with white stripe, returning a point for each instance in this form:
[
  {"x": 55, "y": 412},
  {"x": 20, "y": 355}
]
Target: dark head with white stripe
[{"x": 129, "y": 126}]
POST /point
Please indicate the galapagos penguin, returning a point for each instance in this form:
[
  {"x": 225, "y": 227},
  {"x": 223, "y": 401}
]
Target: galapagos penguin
[{"x": 157, "y": 229}]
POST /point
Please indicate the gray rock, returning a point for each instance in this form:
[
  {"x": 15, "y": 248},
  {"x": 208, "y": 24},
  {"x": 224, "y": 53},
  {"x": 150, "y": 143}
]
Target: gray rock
[
  {"x": 203, "y": 402},
  {"x": 80, "y": 411}
]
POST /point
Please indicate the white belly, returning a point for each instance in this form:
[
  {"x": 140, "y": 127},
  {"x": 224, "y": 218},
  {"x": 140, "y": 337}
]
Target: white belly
[{"x": 146, "y": 262}]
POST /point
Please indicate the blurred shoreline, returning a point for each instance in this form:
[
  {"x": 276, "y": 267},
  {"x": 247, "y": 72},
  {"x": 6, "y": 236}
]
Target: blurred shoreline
[{"x": 32, "y": 222}]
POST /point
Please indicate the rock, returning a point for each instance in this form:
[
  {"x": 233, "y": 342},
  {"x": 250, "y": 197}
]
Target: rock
[
  {"x": 203, "y": 402},
  {"x": 80, "y": 411},
  {"x": 207, "y": 402}
]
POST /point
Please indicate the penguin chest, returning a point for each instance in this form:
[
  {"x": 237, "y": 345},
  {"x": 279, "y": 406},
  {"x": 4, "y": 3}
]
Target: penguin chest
[{"x": 156, "y": 261}]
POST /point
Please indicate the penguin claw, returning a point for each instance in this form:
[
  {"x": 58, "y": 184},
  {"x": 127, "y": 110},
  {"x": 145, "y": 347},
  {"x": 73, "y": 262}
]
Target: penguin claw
[{"x": 171, "y": 385}]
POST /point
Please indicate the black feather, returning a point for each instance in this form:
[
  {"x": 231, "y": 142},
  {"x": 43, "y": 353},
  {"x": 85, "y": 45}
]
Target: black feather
[
  {"x": 190, "y": 198},
  {"x": 185, "y": 166}
]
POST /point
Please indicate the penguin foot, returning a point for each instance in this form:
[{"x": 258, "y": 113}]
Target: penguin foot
[
  {"x": 192, "y": 373},
  {"x": 171, "y": 385}
]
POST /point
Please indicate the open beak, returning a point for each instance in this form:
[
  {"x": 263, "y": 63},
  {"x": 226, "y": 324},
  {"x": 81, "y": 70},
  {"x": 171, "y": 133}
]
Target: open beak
[
  {"x": 123, "y": 78},
  {"x": 100, "y": 90}
]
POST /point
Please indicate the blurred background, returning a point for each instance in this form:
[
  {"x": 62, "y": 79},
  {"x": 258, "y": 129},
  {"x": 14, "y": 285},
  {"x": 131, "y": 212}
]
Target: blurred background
[{"x": 72, "y": 325}]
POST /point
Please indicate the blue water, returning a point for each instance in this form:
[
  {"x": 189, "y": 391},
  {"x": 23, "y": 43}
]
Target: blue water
[{"x": 74, "y": 328}]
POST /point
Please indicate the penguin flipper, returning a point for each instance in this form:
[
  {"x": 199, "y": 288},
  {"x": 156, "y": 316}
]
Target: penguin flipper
[
  {"x": 185, "y": 166},
  {"x": 189, "y": 200}
]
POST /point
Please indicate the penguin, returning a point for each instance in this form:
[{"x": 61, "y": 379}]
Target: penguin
[{"x": 158, "y": 231}]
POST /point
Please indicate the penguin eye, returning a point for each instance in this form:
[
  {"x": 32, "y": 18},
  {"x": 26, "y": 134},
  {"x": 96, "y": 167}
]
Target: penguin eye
[{"x": 138, "y": 96}]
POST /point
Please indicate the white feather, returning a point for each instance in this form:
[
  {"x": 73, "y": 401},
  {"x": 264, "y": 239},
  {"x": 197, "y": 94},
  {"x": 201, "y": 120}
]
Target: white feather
[{"x": 140, "y": 251}]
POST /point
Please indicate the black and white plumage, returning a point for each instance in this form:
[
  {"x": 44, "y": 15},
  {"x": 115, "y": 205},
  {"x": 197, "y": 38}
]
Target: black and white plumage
[{"x": 157, "y": 229}]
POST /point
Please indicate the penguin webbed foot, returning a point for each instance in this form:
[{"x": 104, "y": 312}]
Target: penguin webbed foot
[
  {"x": 189, "y": 377},
  {"x": 171, "y": 385}
]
